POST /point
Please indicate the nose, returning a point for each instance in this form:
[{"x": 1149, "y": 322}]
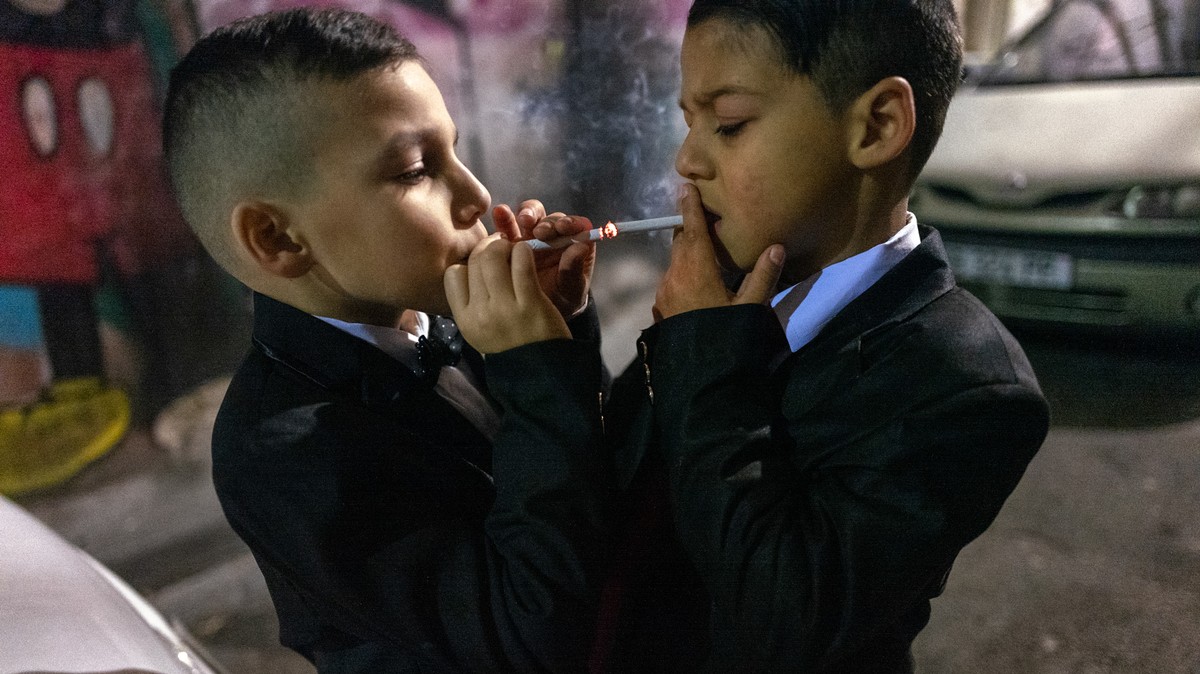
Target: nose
[
  {"x": 691, "y": 162},
  {"x": 471, "y": 198}
]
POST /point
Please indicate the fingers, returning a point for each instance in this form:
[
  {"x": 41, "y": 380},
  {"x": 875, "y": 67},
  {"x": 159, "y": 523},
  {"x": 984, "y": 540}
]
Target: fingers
[
  {"x": 577, "y": 258},
  {"x": 759, "y": 285},
  {"x": 558, "y": 225},
  {"x": 505, "y": 222},
  {"x": 519, "y": 225},
  {"x": 572, "y": 224},
  {"x": 529, "y": 214},
  {"x": 457, "y": 288},
  {"x": 693, "y": 279},
  {"x": 488, "y": 270},
  {"x": 692, "y": 210},
  {"x": 693, "y": 238},
  {"x": 524, "y": 274},
  {"x": 691, "y": 245},
  {"x": 477, "y": 288},
  {"x": 574, "y": 277},
  {"x": 498, "y": 301}
]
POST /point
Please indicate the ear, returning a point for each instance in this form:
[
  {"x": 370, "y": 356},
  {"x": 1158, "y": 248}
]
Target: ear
[
  {"x": 262, "y": 231},
  {"x": 882, "y": 121}
]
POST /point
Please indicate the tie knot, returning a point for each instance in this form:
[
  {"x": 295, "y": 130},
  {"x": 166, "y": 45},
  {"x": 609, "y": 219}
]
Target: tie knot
[{"x": 441, "y": 347}]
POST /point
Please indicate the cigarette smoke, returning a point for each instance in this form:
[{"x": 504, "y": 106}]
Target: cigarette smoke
[{"x": 606, "y": 113}]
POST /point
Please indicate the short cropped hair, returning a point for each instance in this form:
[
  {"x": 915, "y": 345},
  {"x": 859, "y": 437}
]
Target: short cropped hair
[
  {"x": 233, "y": 123},
  {"x": 847, "y": 46}
]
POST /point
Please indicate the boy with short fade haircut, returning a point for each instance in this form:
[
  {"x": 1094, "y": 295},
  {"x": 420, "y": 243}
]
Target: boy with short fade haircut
[
  {"x": 406, "y": 516},
  {"x": 825, "y": 457}
]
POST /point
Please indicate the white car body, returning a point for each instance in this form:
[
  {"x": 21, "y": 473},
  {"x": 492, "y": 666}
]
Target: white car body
[
  {"x": 1066, "y": 183},
  {"x": 62, "y": 611}
]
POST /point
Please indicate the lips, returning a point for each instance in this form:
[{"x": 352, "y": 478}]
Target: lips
[
  {"x": 712, "y": 219},
  {"x": 462, "y": 259}
]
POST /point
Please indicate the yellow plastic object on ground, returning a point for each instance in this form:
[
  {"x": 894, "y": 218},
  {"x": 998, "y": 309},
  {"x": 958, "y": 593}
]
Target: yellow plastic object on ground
[{"x": 44, "y": 443}]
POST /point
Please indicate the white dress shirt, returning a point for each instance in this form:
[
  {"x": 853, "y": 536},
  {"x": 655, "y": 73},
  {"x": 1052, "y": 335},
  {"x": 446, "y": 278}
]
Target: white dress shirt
[
  {"x": 806, "y": 307},
  {"x": 456, "y": 385}
]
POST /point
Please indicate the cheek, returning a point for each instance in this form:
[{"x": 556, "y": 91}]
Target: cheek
[
  {"x": 743, "y": 189},
  {"x": 759, "y": 177},
  {"x": 757, "y": 195},
  {"x": 748, "y": 202}
]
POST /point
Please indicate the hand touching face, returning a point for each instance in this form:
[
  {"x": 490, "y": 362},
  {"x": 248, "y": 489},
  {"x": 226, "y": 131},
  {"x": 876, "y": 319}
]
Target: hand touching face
[
  {"x": 763, "y": 148},
  {"x": 693, "y": 280}
]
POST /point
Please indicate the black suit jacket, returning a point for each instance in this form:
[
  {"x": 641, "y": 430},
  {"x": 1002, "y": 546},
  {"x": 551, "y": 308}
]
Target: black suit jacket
[
  {"x": 392, "y": 535},
  {"x": 816, "y": 503}
]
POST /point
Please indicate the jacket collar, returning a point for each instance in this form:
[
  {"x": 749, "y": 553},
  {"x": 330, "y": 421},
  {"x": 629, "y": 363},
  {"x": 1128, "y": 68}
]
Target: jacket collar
[
  {"x": 921, "y": 277},
  {"x": 328, "y": 357},
  {"x": 353, "y": 369},
  {"x": 835, "y": 353}
]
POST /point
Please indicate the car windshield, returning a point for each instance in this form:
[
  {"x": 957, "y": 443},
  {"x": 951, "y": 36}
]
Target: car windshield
[{"x": 1085, "y": 40}]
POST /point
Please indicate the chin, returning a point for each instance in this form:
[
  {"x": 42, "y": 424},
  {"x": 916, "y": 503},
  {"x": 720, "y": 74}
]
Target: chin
[{"x": 724, "y": 257}]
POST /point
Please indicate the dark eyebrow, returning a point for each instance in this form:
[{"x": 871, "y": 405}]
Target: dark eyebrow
[
  {"x": 710, "y": 96},
  {"x": 402, "y": 140}
]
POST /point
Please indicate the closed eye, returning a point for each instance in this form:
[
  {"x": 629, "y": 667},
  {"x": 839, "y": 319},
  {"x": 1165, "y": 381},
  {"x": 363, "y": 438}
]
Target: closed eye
[
  {"x": 413, "y": 176},
  {"x": 730, "y": 130}
]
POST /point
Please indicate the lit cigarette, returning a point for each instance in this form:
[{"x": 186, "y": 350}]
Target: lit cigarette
[{"x": 609, "y": 231}]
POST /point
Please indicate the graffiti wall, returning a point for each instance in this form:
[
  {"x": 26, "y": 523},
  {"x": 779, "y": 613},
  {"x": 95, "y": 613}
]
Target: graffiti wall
[{"x": 109, "y": 310}]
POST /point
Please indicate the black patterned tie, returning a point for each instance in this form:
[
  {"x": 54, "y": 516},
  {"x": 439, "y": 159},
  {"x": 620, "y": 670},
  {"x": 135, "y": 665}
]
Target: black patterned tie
[{"x": 441, "y": 347}]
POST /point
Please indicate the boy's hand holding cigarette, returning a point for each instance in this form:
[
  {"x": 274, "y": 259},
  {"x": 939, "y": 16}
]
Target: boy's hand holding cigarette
[
  {"x": 497, "y": 300},
  {"x": 565, "y": 273}
]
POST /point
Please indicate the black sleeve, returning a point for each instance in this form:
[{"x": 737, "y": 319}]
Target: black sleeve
[
  {"x": 816, "y": 534},
  {"x": 586, "y": 328},
  {"x": 403, "y": 546}
]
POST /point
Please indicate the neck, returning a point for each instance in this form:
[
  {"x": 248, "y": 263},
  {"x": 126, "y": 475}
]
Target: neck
[
  {"x": 323, "y": 304},
  {"x": 864, "y": 229}
]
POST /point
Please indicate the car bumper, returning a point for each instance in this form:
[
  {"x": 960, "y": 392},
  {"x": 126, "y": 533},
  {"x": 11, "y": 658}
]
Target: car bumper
[{"x": 1114, "y": 282}]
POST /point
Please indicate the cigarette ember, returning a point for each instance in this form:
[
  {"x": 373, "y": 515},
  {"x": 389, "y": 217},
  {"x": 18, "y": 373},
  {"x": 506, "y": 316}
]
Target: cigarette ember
[{"x": 610, "y": 231}]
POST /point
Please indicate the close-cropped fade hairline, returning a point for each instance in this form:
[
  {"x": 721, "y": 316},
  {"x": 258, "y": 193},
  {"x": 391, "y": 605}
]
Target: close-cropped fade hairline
[{"x": 235, "y": 105}]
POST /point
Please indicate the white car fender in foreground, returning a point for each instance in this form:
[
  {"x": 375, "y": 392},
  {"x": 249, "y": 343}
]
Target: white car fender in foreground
[{"x": 62, "y": 611}]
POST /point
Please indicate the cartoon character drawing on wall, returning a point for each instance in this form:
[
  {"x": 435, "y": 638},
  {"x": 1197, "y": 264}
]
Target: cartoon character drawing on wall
[{"x": 83, "y": 205}]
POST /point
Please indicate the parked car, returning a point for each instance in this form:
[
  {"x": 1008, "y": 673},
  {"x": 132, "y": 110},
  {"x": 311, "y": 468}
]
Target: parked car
[
  {"x": 62, "y": 611},
  {"x": 1067, "y": 181}
]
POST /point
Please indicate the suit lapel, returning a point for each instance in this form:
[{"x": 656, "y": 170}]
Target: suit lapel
[
  {"x": 834, "y": 356},
  {"x": 359, "y": 372}
]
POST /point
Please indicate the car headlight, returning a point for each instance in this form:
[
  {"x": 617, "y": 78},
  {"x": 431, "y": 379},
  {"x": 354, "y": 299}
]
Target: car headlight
[{"x": 1181, "y": 201}]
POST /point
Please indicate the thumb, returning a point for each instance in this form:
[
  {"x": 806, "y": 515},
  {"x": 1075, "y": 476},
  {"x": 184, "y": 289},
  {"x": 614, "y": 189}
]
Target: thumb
[{"x": 759, "y": 284}]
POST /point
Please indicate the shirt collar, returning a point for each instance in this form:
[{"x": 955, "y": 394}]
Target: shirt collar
[
  {"x": 396, "y": 343},
  {"x": 806, "y": 307}
]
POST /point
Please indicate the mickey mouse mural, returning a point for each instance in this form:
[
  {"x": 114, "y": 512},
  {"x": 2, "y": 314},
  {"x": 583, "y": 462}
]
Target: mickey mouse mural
[{"x": 83, "y": 199}]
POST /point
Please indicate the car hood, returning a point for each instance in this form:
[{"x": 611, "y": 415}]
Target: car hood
[
  {"x": 1024, "y": 143},
  {"x": 62, "y": 611}
]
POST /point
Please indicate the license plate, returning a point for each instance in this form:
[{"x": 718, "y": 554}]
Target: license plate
[{"x": 1011, "y": 266}]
